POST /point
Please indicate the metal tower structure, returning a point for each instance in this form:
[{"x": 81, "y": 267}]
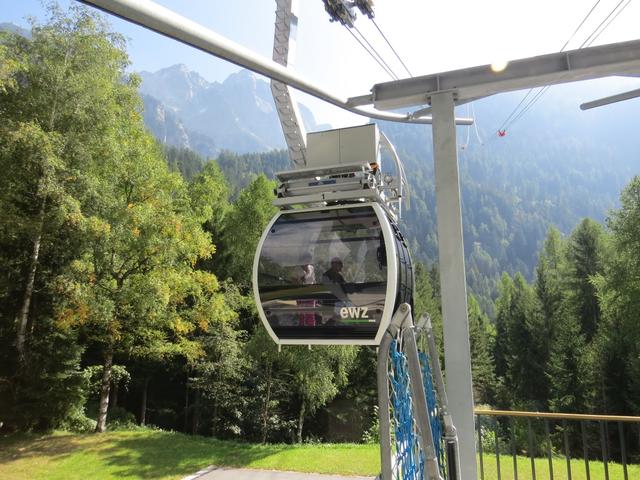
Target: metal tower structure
[{"x": 283, "y": 53}]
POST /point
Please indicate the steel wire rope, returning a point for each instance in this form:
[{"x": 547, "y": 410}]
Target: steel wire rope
[
  {"x": 391, "y": 47},
  {"x": 475, "y": 124},
  {"x": 609, "y": 23},
  {"x": 466, "y": 143},
  {"x": 375, "y": 51},
  {"x": 586, "y": 42},
  {"x": 513, "y": 112},
  {"x": 508, "y": 122},
  {"x": 388, "y": 72},
  {"x": 580, "y": 26},
  {"x": 528, "y": 106},
  {"x": 583, "y": 45},
  {"x": 471, "y": 113}
]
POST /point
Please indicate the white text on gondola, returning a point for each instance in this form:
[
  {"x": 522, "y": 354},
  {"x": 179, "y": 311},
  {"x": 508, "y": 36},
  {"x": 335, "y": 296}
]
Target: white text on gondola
[{"x": 354, "y": 312}]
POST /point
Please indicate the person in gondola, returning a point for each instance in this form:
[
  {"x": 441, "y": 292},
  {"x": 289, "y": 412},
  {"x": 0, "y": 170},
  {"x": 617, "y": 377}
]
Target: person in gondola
[
  {"x": 307, "y": 277},
  {"x": 336, "y": 282},
  {"x": 333, "y": 275}
]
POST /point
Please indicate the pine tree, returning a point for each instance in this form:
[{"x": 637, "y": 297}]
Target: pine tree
[
  {"x": 584, "y": 260},
  {"x": 520, "y": 346},
  {"x": 427, "y": 301},
  {"x": 481, "y": 343},
  {"x": 503, "y": 325},
  {"x": 617, "y": 343},
  {"x": 567, "y": 369},
  {"x": 549, "y": 282}
]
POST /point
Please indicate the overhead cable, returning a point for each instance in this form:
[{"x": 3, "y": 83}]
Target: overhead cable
[
  {"x": 513, "y": 112},
  {"x": 515, "y": 115},
  {"x": 580, "y": 26},
  {"x": 610, "y": 21},
  {"x": 381, "y": 63},
  {"x": 391, "y": 47},
  {"x": 375, "y": 51},
  {"x": 530, "y": 104},
  {"x": 544, "y": 90}
]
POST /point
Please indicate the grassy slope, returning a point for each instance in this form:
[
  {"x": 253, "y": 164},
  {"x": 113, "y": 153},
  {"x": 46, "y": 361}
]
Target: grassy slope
[
  {"x": 148, "y": 454},
  {"x": 166, "y": 455}
]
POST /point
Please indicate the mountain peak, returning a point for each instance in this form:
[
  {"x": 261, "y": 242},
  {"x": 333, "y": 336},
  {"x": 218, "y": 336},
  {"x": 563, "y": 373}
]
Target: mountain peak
[
  {"x": 13, "y": 28},
  {"x": 242, "y": 77},
  {"x": 178, "y": 68}
]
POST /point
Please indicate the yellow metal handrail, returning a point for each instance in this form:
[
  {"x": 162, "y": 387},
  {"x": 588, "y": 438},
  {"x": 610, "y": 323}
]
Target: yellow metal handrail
[{"x": 560, "y": 416}]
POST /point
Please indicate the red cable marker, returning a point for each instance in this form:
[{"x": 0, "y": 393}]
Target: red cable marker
[{"x": 502, "y": 133}]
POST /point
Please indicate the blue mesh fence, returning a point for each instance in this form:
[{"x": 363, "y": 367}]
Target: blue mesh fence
[{"x": 409, "y": 463}]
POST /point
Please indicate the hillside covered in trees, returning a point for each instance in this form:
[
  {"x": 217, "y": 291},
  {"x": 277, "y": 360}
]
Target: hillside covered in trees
[
  {"x": 125, "y": 270},
  {"x": 556, "y": 165}
]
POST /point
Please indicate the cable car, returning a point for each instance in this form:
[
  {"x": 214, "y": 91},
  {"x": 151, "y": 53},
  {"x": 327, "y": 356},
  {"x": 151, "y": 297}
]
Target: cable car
[{"x": 332, "y": 266}]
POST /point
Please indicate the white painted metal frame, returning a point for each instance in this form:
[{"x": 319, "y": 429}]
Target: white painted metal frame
[
  {"x": 619, "y": 97},
  {"x": 469, "y": 84},
  {"x": 453, "y": 282},
  {"x": 392, "y": 275},
  {"x": 283, "y": 47}
]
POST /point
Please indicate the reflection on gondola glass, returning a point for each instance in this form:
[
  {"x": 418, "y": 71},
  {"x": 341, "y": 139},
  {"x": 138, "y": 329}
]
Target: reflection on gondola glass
[{"x": 323, "y": 274}]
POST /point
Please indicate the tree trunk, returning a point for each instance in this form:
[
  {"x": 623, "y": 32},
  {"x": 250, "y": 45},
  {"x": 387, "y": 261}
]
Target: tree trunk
[
  {"x": 214, "y": 421},
  {"x": 37, "y": 240},
  {"x": 303, "y": 409},
  {"x": 23, "y": 316},
  {"x": 105, "y": 387},
  {"x": 195, "y": 421},
  {"x": 114, "y": 395},
  {"x": 267, "y": 400},
  {"x": 143, "y": 405},
  {"x": 186, "y": 409}
]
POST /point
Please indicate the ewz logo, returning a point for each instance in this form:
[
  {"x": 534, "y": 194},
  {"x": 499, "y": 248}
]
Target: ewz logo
[{"x": 354, "y": 312}]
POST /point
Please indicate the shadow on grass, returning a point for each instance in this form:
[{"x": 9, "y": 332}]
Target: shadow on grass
[
  {"x": 166, "y": 454},
  {"x": 26, "y": 445}
]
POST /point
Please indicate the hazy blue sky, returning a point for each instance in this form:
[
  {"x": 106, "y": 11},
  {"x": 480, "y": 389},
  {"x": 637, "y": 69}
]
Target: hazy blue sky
[{"x": 431, "y": 36}]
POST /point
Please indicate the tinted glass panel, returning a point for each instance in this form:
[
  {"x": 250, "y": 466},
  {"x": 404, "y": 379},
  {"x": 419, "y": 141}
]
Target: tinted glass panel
[{"x": 324, "y": 274}]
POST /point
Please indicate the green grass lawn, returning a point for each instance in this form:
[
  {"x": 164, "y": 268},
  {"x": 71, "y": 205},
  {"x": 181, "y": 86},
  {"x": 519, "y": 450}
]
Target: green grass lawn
[{"x": 151, "y": 454}]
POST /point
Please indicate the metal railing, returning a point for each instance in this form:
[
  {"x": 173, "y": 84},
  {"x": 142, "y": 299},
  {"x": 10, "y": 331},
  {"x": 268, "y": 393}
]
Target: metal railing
[{"x": 529, "y": 440}]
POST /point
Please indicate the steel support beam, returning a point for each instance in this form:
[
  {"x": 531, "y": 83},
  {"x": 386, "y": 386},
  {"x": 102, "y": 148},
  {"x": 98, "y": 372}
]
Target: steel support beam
[
  {"x": 620, "y": 97},
  {"x": 453, "y": 285},
  {"x": 477, "y": 82}
]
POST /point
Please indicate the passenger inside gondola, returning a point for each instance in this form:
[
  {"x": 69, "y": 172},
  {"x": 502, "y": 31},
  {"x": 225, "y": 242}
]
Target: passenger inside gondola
[
  {"x": 307, "y": 315},
  {"x": 337, "y": 285},
  {"x": 347, "y": 298}
]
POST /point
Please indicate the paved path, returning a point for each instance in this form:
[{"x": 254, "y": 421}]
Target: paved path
[{"x": 226, "y": 473}]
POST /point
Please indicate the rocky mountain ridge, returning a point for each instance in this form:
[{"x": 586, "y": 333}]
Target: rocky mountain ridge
[{"x": 183, "y": 109}]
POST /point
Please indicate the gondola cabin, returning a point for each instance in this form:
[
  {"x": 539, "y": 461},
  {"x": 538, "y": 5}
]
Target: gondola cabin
[{"x": 333, "y": 270}]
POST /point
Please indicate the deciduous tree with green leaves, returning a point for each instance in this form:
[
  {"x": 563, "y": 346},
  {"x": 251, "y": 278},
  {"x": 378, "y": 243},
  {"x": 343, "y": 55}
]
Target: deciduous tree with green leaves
[
  {"x": 134, "y": 290},
  {"x": 243, "y": 227},
  {"x": 317, "y": 374},
  {"x": 69, "y": 92}
]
